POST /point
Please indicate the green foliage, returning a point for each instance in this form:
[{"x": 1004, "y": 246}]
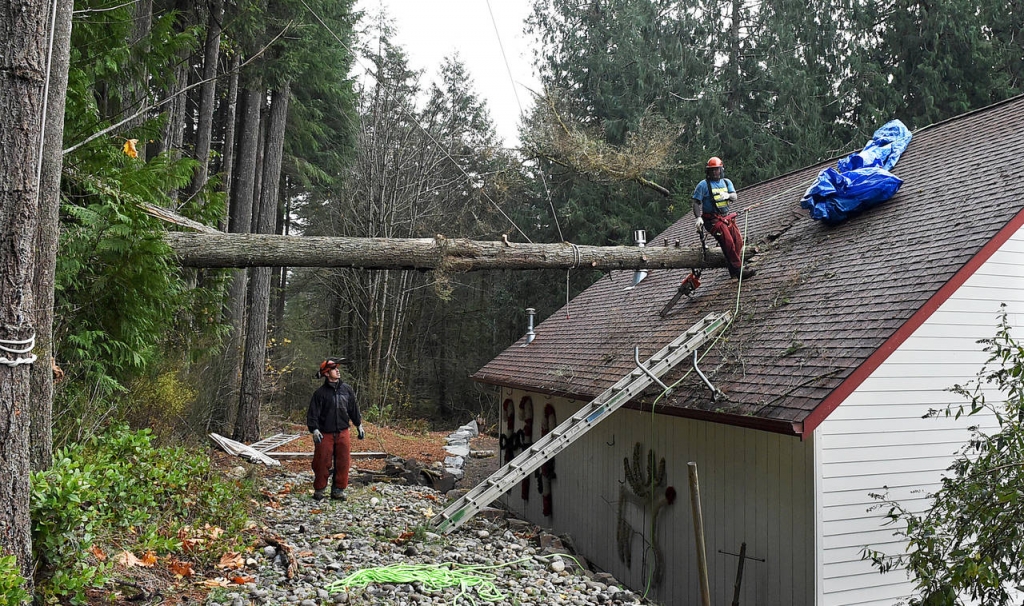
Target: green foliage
[
  {"x": 12, "y": 590},
  {"x": 968, "y": 544},
  {"x": 122, "y": 304},
  {"x": 117, "y": 491},
  {"x": 928, "y": 61}
]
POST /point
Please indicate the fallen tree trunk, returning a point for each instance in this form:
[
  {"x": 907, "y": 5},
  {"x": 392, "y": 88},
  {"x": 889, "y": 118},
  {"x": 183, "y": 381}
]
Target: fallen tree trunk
[{"x": 456, "y": 254}]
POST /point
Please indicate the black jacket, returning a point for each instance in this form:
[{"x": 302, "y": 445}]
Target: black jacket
[{"x": 332, "y": 407}]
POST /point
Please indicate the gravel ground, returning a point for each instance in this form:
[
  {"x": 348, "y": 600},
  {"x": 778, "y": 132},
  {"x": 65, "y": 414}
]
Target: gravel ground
[{"x": 312, "y": 545}]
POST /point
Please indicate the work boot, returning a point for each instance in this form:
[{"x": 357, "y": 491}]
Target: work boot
[
  {"x": 747, "y": 272},
  {"x": 338, "y": 493},
  {"x": 318, "y": 495}
]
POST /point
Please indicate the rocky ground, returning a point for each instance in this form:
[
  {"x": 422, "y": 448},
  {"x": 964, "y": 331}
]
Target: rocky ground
[{"x": 377, "y": 547}]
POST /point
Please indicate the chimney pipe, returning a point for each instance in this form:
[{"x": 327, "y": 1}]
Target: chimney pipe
[
  {"x": 641, "y": 240},
  {"x": 530, "y": 334}
]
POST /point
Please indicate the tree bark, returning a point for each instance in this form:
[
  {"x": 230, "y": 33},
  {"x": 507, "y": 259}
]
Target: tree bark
[
  {"x": 458, "y": 254},
  {"x": 207, "y": 97},
  {"x": 247, "y": 426},
  {"x": 22, "y": 79},
  {"x": 230, "y": 117},
  {"x": 240, "y": 222},
  {"x": 46, "y": 238}
]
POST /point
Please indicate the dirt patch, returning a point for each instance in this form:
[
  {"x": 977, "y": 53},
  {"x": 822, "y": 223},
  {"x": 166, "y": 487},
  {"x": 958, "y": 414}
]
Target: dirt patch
[
  {"x": 478, "y": 468},
  {"x": 426, "y": 447}
]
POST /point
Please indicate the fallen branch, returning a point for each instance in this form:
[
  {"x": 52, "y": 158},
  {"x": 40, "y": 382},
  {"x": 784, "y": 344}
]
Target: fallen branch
[{"x": 285, "y": 551}]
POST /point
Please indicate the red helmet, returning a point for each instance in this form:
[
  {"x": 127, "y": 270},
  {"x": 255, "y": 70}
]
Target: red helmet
[
  {"x": 329, "y": 364},
  {"x": 715, "y": 162}
]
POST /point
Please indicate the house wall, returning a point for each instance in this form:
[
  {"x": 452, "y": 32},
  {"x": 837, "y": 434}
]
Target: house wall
[
  {"x": 755, "y": 487},
  {"x": 877, "y": 438}
]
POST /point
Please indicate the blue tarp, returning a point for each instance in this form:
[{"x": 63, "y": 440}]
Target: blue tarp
[{"x": 862, "y": 179}]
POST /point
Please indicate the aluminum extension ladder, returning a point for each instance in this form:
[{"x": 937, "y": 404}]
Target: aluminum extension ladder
[{"x": 580, "y": 423}]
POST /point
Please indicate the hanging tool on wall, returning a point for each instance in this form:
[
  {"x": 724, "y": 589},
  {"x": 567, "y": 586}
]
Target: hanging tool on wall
[{"x": 691, "y": 282}]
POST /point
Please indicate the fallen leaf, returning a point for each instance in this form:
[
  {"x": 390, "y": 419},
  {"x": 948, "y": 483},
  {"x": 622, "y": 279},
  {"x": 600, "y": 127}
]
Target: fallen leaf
[
  {"x": 218, "y": 582},
  {"x": 286, "y": 490},
  {"x": 316, "y": 511},
  {"x": 402, "y": 538},
  {"x": 213, "y": 532},
  {"x": 340, "y": 535},
  {"x": 182, "y": 569},
  {"x": 428, "y": 512},
  {"x": 148, "y": 559},
  {"x": 128, "y": 559},
  {"x": 274, "y": 505},
  {"x": 304, "y": 554},
  {"x": 98, "y": 553},
  {"x": 129, "y": 148},
  {"x": 240, "y": 580},
  {"x": 231, "y": 560}
]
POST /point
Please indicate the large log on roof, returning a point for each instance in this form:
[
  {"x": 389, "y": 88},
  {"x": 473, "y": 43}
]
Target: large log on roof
[{"x": 448, "y": 254}]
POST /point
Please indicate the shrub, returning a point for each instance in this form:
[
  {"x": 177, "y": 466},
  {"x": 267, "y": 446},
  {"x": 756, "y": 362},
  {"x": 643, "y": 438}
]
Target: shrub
[
  {"x": 11, "y": 582},
  {"x": 115, "y": 492}
]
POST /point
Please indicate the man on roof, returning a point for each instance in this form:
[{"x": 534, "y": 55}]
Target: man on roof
[
  {"x": 331, "y": 409},
  {"x": 711, "y": 200}
]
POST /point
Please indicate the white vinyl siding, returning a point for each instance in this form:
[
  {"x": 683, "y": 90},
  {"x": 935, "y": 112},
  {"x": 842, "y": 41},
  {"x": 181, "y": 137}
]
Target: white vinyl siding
[
  {"x": 877, "y": 438},
  {"x": 755, "y": 487}
]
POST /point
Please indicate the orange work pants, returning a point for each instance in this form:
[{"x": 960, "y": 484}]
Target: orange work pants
[{"x": 335, "y": 447}]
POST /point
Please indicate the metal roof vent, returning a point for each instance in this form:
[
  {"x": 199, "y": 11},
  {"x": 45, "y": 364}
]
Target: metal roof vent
[
  {"x": 530, "y": 334},
  {"x": 641, "y": 240}
]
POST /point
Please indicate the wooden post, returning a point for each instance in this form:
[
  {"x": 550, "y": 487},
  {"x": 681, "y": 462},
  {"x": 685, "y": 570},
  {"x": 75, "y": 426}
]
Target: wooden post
[{"x": 698, "y": 535}]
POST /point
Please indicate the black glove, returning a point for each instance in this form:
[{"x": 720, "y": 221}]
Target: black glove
[{"x": 317, "y": 436}]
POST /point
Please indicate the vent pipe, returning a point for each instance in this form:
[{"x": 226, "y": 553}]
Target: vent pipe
[
  {"x": 641, "y": 240},
  {"x": 530, "y": 334}
]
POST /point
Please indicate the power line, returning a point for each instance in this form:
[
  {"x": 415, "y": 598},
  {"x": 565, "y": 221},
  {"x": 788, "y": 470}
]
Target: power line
[{"x": 413, "y": 119}]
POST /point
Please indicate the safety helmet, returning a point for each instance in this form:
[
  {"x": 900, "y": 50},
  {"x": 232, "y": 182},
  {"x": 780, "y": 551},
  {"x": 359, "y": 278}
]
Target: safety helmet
[
  {"x": 328, "y": 364},
  {"x": 714, "y": 168}
]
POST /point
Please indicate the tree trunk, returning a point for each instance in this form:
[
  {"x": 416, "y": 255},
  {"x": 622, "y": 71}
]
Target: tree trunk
[
  {"x": 46, "y": 238},
  {"x": 247, "y": 426},
  {"x": 230, "y": 111},
  {"x": 22, "y": 79},
  {"x": 207, "y": 97},
  {"x": 457, "y": 255},
  {"x": 280, "y": 276},
  {"x": 136, "y": 93},
  {"x": 240, "y": 221}
]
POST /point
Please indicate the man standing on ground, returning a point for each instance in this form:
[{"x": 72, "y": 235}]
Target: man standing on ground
[
  {"x": 331, "y": 409},
  {"x": 711, "y": 200}
]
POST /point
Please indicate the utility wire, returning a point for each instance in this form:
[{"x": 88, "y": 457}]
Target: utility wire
[
  {"x": 413, "y": 119},
  {"x": 515, "y": 92}
]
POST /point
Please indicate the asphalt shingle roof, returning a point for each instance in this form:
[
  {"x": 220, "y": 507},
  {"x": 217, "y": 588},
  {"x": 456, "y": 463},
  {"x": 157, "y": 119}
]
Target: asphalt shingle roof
[{"x": 824, "y": 300}]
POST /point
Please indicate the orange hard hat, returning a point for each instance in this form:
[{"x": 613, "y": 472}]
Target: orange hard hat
[
  {"x": 714, "y": 162},
  {"x": 328, "y": 364}
]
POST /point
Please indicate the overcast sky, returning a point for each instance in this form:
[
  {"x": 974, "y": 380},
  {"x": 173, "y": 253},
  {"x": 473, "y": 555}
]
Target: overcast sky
[{"x": 430, "y": 30}]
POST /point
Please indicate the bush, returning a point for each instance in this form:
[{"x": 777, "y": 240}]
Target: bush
[
  {"x": 11, "y": 582},
  {"x": 117, "y": 492}
]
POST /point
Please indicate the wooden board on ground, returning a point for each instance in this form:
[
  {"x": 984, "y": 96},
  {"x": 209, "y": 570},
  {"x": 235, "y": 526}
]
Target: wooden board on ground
[
  {"x": 275, "y": 441},
  {"x": 354, "y": 455},
  {"x": 241, "y": 450}
]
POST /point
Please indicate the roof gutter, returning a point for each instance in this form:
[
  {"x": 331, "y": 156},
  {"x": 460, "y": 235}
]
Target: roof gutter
[{"x": 788, "y": 428}]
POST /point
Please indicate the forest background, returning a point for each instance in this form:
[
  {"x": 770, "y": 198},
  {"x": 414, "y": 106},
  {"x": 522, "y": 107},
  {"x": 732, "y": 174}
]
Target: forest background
[{"x": 246, "y": 116}]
